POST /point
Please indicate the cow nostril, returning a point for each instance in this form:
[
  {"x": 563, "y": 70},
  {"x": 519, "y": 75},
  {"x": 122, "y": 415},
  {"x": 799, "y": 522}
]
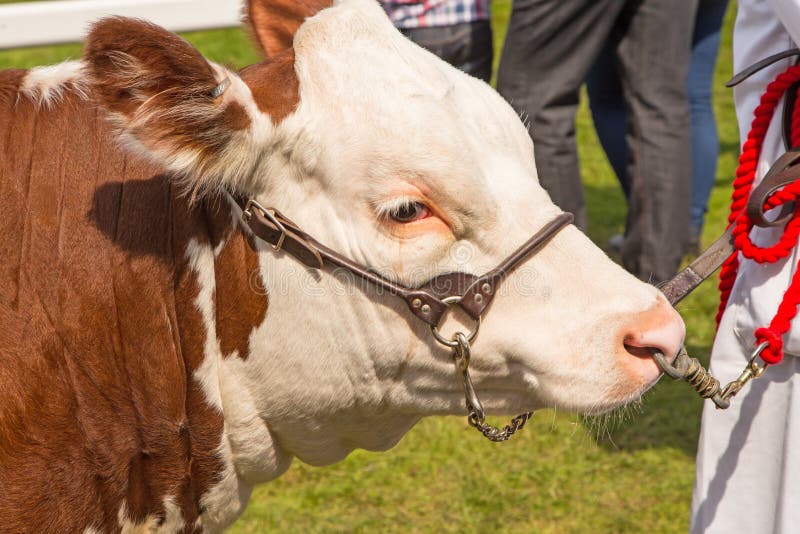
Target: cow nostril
[
  {"x": 659, "y": 329},
  {"x": 641, "y": 352},
  {"x": 638, "y": 360}
]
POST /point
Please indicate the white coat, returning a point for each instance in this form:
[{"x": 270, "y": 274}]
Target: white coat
[{"x": 748, "y": 466}]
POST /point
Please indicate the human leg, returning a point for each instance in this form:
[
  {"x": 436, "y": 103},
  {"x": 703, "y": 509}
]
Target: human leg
[
  {"x": 466, "y": 46},
  {"x": 653, "y": 73},
  {"x": 609, "y": 111},
  {"x": 549, "y": 49},
  {"x": 705, "y": 143}
]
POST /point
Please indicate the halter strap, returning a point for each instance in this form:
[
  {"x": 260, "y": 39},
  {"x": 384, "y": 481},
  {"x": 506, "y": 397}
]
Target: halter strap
[{"x": 428, "y": 302}]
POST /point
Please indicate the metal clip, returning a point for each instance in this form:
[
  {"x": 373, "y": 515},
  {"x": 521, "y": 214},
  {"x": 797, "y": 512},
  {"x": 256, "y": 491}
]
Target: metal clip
[
  {"x": 692, "y": 371},
  {"x": 461, "y": 354},
  {"x": 753, "y": 370},
  {"x": 476, "y": 416}
]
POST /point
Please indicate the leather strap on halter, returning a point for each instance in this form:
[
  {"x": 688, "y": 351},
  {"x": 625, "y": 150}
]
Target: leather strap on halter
[
  {"x": 428, "y": 302},
  {"x": 784, "y": 171},
  {"x": 282, "y": 234},
  {"x": 687, "y": 280}
]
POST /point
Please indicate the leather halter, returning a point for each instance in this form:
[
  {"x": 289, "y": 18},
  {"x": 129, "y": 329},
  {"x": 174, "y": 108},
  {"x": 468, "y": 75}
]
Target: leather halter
[{"x": 428, "y": 302}]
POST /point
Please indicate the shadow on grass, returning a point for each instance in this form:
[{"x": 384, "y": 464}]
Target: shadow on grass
[{"x": 669, "y": 416}]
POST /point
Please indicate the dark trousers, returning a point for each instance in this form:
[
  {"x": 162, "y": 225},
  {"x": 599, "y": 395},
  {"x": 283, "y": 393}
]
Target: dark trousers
[
  {"x": 549, "y": 49},
  {"x": 610, "y": 114},
  {"x": 466, "y": 46}
]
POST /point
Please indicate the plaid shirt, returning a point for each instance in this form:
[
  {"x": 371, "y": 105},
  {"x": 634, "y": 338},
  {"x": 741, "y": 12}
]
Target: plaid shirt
[{"x": 425, "y": 13}]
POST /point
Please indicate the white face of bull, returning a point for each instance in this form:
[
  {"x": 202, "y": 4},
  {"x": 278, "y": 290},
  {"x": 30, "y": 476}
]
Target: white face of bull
[
  {"x": 400, "y": 162},
  {"x": 389, "y": 128}
]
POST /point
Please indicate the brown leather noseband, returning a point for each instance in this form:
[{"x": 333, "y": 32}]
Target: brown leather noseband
[{"x": 429, "y": 302}]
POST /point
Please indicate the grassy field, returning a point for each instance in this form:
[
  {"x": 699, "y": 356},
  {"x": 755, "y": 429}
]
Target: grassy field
[{"x": 631, "y": 472}]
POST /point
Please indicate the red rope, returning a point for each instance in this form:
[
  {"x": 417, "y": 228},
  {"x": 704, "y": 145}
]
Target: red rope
[{"x": 773, "y": 334}]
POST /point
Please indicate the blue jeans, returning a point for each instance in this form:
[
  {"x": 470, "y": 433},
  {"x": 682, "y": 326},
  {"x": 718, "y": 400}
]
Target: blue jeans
[{"x": 610, "y": 113}]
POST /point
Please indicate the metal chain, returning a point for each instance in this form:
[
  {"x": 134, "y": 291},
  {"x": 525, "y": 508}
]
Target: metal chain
[
  {"x": 493, "y": 433},
  {"x": 692, "y": 371},
  {"x": 476, "y": 417}
]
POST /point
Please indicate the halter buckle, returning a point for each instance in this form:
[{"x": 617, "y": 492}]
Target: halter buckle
[{"x": 268, "y": 214}]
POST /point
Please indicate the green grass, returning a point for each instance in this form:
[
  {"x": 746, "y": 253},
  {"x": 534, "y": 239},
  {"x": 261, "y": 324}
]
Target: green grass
[{"x": 561, "y": 474}]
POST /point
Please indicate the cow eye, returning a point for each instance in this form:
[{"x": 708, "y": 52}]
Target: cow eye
[{"x": 409, "y": 211}]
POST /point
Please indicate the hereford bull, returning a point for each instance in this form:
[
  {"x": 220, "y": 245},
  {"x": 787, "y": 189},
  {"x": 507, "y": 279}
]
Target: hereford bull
[{"x": 146, "y": 383}]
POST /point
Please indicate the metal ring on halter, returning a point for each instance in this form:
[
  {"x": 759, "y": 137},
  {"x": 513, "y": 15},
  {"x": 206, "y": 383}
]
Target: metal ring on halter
[{"x": 451, "y": 342}]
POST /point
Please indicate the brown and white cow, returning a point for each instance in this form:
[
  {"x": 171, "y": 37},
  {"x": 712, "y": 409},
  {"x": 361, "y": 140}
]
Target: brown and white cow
[{"x": 145, "y": 381}]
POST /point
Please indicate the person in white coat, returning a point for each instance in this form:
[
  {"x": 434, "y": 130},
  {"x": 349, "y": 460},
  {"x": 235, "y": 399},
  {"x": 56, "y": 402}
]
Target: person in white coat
[{"x": 748, "y": 458}]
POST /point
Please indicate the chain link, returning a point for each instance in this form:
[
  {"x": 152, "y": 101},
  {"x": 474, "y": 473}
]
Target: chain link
[
  {"x": 476, "y": 418},
  {"x": 493, "y": 433}
]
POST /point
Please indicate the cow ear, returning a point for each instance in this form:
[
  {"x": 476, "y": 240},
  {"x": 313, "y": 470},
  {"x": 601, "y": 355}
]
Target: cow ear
[
  {"x": 274, "y": 22},
  {"x": 167, "y": 99}
]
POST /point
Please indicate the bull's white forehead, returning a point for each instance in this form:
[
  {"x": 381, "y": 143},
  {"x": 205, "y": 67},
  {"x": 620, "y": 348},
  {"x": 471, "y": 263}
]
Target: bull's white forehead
[
  {"x": 351, "y": 61},
  {"x": 354, "y": 42}
]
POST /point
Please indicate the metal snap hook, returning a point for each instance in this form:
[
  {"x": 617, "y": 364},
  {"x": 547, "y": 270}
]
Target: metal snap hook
[
  {"x": 476, "y": 417},
  {"x": 461, "y": 355}
]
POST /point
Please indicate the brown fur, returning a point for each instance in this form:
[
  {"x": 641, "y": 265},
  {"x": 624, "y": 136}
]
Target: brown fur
[
  {"x": 99, "y": 332},
  {"x": 239, "y": 293},
  {"x": 100, "y": 335},
  {"x": 274, "y": 85},
  {"x": 274, "y": 22}
]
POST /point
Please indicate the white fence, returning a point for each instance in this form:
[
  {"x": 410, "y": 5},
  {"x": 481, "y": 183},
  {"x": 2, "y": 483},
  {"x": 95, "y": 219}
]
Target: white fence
[{"x": 63, "y": 21}]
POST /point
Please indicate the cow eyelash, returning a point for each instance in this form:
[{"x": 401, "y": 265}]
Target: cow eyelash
[{"x": 404, "y": 210}]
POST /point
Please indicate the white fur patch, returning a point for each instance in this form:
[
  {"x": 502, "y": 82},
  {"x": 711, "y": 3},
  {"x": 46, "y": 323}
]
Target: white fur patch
[
  {"x": 171, "y": 522},
  {"x": 46, "y": 85},
  {"x": 226, "y": 500},
  {"x": 222, "y": 503}
]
